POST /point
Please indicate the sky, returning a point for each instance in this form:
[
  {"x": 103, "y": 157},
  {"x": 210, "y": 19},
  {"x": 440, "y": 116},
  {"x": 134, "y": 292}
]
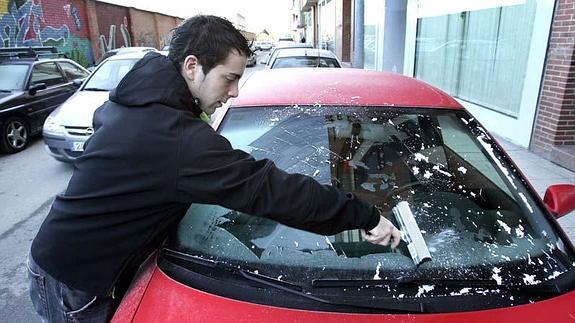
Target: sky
[{"x": 274, "y": 15}]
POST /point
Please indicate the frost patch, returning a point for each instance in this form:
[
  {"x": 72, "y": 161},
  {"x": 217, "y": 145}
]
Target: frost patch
[
  {"x": 504, "y": 226},
  {"x": 427, "y": 174},
  {"x": 376, "y": 276},
  {"x": 554, "y": 275},
  {"x": 424, "y": 289},
  {"x": 519, "y": 231},
  {"x": 496, "y": 276},
  {"x": 420, "y": 157},
  {"x": 415, "y": 170},
  {"x": 462, "y": 169},
  {"x": 436, "y": 167},
  {"x": 526, "y": 203},
  {"x": 530, "y": 279},
  {"x": 461, "y": 292},
  {"x": 489, "y": 150},
  {"x": 329, "y": 243}
]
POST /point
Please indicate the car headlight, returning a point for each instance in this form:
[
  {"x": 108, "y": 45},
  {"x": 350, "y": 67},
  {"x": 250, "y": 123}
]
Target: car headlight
[{"x": 52, "y": 127}]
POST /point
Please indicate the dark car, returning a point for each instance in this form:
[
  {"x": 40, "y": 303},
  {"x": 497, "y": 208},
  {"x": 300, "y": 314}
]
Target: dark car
[{"x": 33, "y": 82}]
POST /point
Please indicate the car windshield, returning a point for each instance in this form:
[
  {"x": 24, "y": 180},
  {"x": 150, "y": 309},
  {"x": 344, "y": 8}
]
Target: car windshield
[
  {"x": 109, "y": 74},
  {"x": 13, "y": 76},
  {"x": 304, "y": 61},
  {"x": 477, "y": 218}
]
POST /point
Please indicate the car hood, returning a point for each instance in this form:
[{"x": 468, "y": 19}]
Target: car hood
[{"x": 78, "y": 110}]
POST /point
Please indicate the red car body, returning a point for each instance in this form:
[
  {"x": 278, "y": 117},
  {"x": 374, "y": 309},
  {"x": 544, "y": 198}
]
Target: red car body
[{"x": 156, "y": 297}]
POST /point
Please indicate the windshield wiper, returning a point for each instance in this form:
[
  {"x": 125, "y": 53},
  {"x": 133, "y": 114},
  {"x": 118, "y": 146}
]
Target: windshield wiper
[
  {"x": 404, "y": 307},
  {"x": 551, "y": 287},
  {"x": 5, "y": 91},
  {"x": 403, "y": 281},
  {"x": 94, "y": 89}
]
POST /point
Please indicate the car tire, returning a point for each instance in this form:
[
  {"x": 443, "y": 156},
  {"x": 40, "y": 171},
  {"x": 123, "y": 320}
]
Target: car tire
[{"x": 15, "y": 135}]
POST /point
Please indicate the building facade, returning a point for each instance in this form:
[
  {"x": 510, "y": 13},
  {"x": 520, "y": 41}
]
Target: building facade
[
  {"x": 82, "y": 29},
  {"x": 509, "y": 62}
]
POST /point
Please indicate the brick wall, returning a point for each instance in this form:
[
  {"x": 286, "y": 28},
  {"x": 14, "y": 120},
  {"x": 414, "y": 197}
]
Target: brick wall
[
  {"x": 82, "y": 29},
  {"x": 59, "y": 23},
  {"x": 114, "y": 26},
  {"x": 165, "y": 25},
  {"x": 555, "y": 120},
  {"x": 143, "y": 28}
]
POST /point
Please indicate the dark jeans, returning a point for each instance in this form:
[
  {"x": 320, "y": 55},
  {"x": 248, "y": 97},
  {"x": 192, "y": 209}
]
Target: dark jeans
[{"x": 56, "y": 302}]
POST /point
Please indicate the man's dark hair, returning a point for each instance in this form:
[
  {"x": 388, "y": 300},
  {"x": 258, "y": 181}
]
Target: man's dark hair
[{"x": 209, "y": 38}]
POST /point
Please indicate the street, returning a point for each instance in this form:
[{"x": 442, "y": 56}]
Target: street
[
  {"x": 29, "y": 180},
  {"x": 28, "y": 183}
]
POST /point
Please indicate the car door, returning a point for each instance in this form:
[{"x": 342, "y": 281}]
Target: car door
[{"x": 43, "y": 101}]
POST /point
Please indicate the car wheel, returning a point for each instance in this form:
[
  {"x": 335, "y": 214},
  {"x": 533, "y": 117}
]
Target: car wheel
[{"x": 15, "y": 135}]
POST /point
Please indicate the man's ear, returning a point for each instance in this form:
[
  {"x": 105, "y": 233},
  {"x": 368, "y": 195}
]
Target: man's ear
[{"x": 189, "y": 67}]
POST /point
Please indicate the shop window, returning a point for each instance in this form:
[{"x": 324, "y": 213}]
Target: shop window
[{"x": 479, "y": 55}]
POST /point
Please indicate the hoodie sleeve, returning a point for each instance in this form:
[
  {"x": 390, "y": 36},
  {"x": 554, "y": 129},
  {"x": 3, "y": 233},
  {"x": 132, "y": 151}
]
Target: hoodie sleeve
[{"x": 212, "y": 172}]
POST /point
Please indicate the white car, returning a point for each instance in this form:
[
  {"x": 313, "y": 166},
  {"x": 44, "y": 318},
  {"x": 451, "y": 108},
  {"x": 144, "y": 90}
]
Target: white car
[
  {"x": 70, "y": 125},
  {"x": 303, "y": 57},
  {"x": 282, "y": 45}
]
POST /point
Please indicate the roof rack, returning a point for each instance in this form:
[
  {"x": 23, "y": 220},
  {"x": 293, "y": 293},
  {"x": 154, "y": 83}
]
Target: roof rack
[{"x": 32, "y": 53}]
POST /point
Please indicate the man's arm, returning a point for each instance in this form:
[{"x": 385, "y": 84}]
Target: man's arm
[{"x": 212, "y": 172}]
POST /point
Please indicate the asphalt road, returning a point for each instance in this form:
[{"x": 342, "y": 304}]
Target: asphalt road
[{"x": 29, "y": 181}]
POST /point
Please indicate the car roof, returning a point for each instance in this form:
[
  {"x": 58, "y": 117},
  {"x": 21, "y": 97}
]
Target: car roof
[
  {"x": 31, "y": 61},
  {"x": 339, "y": 86},
  {"x": 314, "y": 52},
  {"x": 131, "y": 49},
  {"x": 129, "y": 55},
  {"x": 290, "y": 44}
]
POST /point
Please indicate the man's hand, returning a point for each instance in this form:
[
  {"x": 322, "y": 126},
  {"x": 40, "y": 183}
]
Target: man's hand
[{"x": 383, "y": 233}]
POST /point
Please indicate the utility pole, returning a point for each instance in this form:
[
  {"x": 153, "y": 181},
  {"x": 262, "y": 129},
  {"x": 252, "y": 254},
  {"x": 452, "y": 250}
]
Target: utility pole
[{"x": 358, "y": 35}]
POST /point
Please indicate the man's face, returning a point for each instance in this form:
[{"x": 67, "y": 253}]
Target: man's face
[{"x": 220, "y": 84}]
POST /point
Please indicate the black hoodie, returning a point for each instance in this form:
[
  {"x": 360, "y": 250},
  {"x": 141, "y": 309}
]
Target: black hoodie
[{"x": 149, "y": 158}]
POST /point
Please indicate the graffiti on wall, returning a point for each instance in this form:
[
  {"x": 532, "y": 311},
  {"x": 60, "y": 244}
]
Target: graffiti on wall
[
  {"x": 110, "y": 43},
  {"x": 25, "y": 23}
]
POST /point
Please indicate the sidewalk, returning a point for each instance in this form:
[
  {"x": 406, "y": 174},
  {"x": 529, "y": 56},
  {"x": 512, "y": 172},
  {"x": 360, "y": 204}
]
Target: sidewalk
[{"x": 542, "y": 173}]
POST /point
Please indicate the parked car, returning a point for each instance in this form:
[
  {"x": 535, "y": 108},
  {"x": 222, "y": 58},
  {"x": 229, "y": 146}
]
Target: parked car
[
  {"x": 33, "y": 82},
  {"x": 281, "y": 45},
  {"x": 303, "y": 57},
  {"x": 68, "y": 127},
  {"x": 478, "y": 243},
  {"x": 126, "y": 50},
  {"x": 252, "y": 60}
]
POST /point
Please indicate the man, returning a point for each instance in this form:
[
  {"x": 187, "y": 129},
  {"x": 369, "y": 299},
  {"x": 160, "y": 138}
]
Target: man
[{"x": 149, "y": 159}]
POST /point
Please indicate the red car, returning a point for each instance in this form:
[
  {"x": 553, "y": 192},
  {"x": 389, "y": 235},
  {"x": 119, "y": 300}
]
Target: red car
[{"x": 478, "y": 243}]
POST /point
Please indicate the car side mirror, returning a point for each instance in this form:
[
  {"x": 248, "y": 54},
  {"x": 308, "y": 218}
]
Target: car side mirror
[
  {"x": 78, "y": 82},
  {"x": 36, "y": 87},
  {"x": 560, "y": 199}
]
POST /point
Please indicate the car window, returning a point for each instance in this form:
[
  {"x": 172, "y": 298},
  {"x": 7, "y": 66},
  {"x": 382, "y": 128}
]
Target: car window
[
  {"x": 109, "y": 74},
  {"x": 72, "y": 72},
  {"x": 478, "y": 220},
  {"x": 289, "y": 62},
  {"x": 47, "y": 73},
  {"x": 13, "y": 77}
]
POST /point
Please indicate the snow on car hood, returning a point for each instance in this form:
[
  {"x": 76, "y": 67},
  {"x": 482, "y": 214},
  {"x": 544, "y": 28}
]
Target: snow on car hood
[{"x": 78, "y": 110}]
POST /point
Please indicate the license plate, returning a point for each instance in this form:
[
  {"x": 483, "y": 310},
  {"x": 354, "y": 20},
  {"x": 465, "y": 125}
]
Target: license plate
[{"x": 78, "y": 146}]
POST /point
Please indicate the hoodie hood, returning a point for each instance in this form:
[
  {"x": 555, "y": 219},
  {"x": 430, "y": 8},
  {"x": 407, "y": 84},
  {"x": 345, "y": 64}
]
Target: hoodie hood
[{"x": 155, "y": 79}]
